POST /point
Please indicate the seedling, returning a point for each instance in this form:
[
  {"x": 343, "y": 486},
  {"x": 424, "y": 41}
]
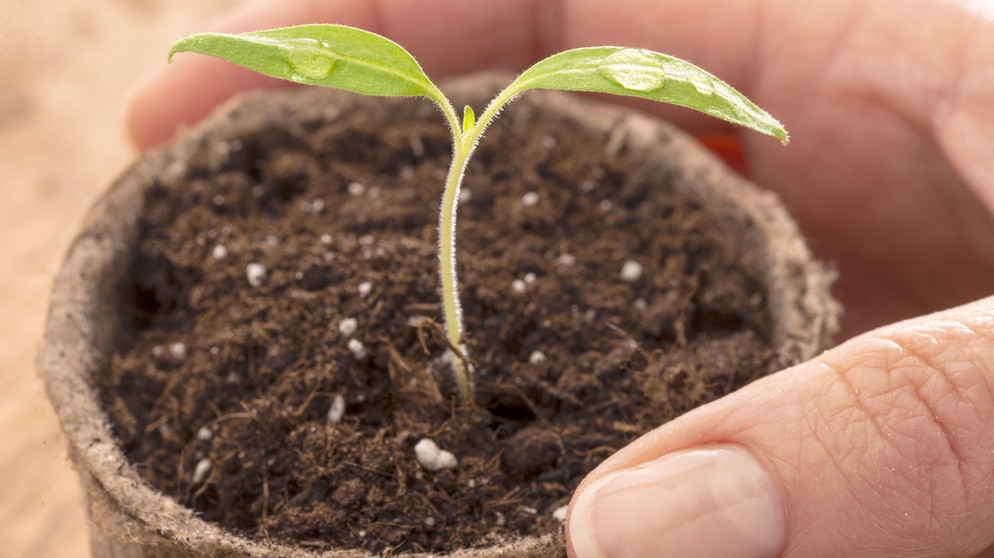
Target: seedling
[{"x": 363, "y": 62}]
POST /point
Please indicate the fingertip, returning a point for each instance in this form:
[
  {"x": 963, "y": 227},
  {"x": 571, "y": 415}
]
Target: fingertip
[
  {"x": 142, "y": 132},
  {"x": 176, "y": 97},
  {"x": 180, "y": 94},
  {"x": 673, "y": 504}
]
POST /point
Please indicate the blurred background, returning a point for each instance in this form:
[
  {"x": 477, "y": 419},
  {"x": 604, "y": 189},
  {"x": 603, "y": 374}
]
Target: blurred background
[{"x": 65, "y": 72}]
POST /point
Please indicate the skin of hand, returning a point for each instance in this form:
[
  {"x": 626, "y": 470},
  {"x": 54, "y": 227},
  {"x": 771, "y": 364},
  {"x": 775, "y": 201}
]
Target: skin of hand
[{"x": 882, "y": 446}]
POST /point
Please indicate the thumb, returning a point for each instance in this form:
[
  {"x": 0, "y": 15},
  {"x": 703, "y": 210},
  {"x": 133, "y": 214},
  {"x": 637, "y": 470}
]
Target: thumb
[{"x": 883, "y": 446}]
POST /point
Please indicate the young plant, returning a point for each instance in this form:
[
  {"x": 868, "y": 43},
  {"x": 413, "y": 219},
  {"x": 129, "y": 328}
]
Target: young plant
[{"x": 363, "y": 62}]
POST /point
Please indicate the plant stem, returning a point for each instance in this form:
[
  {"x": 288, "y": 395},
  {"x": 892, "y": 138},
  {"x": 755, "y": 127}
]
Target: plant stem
[
  {"x": 447, "y": 269},
  {"x": 464, "y": 143},
  {"x": 462, "y": 150}
]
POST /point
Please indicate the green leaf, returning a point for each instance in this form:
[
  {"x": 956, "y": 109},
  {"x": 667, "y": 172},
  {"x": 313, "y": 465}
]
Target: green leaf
[
  {"x": 648, "y": 75},
  {"x": 335, "y": 56}
]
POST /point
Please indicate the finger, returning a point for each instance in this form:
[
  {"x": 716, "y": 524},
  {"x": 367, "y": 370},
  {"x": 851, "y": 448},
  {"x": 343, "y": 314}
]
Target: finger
[{"x": 883, "y": 446}]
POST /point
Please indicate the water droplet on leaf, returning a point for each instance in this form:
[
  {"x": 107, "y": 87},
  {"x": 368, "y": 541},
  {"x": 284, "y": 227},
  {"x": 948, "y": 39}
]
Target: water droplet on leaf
[
  {"x": 703, "y": 85},
  {"x": 633, "y": 68},
  {"x": 308, "y": 59}
]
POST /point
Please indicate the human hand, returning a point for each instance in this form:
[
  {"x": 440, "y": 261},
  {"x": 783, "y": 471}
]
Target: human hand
[{"x": 879, "y": 447}]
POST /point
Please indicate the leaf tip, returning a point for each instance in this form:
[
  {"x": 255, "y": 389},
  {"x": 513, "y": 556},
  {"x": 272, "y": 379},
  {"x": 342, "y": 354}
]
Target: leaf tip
[
  {"x": 777, "y": 130},
  {"x": 784, "y": 136},
  {"x": 182, "y": 45}
]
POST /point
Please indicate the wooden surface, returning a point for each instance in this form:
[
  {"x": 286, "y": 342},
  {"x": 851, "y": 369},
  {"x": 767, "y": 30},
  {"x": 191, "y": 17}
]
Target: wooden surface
[{"x": 65, "y": 71}]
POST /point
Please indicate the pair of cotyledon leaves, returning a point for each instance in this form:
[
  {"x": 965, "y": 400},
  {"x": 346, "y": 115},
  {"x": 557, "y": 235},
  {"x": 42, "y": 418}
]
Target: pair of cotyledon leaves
[{"x": 355, "y": 60}]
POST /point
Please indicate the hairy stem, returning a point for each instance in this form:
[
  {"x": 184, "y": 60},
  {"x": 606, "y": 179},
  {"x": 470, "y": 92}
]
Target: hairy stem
[
  {"x": 452, "y": 310},
  {"x": 464, "y": 141},
  {"x": 462, "y": 150}
]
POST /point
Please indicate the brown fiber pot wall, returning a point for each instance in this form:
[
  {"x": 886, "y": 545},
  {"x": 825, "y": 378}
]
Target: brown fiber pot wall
[{"x": 130, "y": 519}]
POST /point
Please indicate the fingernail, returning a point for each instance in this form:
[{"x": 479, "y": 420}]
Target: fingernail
[{"x": 713, "y": 502}]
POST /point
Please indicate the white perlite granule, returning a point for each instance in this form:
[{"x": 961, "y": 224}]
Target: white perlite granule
[
  {"x": 177, "y": 350},
  {"x": 365, "y": 288},
  {"x": 631, "y": 271},
  {"x": 357, "y": 348},
  {"x": 348, "y": 326},
  {"x": 337, "y": 410},
  {"x": 433, "y": 458},
  {"x": 201, "y": 470},
  {"x": 256, "y": 274}
]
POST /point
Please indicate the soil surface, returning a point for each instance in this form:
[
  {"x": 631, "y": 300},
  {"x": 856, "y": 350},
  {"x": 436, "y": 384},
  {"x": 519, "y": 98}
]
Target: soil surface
[{"x": 287, "y": 273}]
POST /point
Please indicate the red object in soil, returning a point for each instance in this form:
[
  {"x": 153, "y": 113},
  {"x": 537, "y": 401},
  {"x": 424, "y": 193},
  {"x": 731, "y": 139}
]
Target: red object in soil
[{"x": 729, "y": 148}]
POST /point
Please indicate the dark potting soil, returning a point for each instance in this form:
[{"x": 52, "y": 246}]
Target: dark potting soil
[{"x": 257, "y": 264}]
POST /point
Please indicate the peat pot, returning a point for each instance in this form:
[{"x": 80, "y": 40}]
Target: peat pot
[{"x": 244, "y": 343}]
